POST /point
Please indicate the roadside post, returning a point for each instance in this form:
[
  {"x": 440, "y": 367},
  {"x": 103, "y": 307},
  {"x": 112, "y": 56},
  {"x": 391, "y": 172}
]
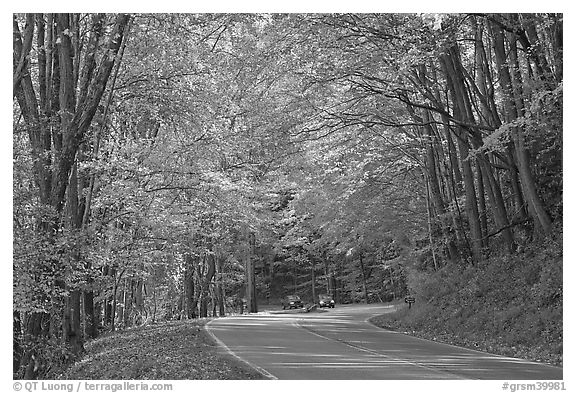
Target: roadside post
[{"x": 409, "y": 300}]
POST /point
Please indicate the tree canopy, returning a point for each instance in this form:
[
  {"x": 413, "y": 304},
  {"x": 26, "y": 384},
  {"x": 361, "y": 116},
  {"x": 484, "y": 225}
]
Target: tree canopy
[{"x": 168, "y": 166}]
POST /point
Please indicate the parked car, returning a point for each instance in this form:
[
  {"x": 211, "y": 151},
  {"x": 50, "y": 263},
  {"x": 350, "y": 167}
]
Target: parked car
[
  {"x": 292, "y": 301},
  {"x": 326, "y": 301}
]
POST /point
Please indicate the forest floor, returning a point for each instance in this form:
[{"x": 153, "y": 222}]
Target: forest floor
[{"x": 178, "y": 350}]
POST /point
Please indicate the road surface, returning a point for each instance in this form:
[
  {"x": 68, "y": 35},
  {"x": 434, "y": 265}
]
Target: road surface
[{"x": 341, "y": 344}]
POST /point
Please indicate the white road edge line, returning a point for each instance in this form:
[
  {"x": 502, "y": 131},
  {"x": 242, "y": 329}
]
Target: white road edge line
[
  {"x": 231, "y": 353},
  {"x": 374, "y": 352},
  {"x": 503, "y": 357}
]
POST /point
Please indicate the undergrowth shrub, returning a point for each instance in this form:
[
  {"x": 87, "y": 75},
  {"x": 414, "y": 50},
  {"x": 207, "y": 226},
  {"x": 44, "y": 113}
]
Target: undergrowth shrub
[{"x": 510, "y": 305}]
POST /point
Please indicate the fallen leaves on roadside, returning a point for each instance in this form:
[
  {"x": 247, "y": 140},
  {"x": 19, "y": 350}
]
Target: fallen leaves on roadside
[
  {"x": 495, "y": 345},
  {"x": 172, "y": 351}
]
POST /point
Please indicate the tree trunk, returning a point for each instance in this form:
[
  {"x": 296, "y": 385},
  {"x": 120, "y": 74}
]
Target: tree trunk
[
  {"x": 536, "y": 207},
  {"x": 531, "y": 43},
  {"x": 154, "y": 304},
  {"x": 206, "y": 285},
  {"x": 462, "y": 111},
  {"x": 498, "y": 204},
  {"x": 107, "y": 312},
  {"x": 16, "y": 342},
  {"x": 520, "y": 206},
  {"x": 327, "y": 274},
  {"x": 189, "y": 302},
  {"x": 197, "y": 286},
  {"x": 33, "y": 333},
  {"x": 455, "y": 185},
  {"x": 220, "y": 293},
  {"x": 108, "y": 302},
  {"x": 435, "y": 192},
  {"x": 313, "y": 268},
  {"x": 71, "y": 325},
  {"x": 250, "y": 275},
  {"x": 98, "y": 314},
  {"x": 429, "y": 216},
  {"x": 128, "y": 302},
  {"x": 364, "y": 287},
  {"x": 471, "y": 200},
  {"x": 490, "y": 116},
  {"x": 482, "y": 213},
  {"x": 556, "y": 31},
  {"x": 115, "y": 301},
  {"x": 121, "y": 305},
  {"x": 139, "y": 302},
  {"x": 90, "y": 322},
  {"x": 53, "y": 154}
]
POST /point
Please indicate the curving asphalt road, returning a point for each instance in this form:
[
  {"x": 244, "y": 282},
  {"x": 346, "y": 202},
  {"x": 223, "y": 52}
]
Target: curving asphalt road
[{"x": 340, "y": 344}]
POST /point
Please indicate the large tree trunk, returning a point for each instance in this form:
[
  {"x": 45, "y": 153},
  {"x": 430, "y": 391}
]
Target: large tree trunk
[
  {"x": 71, "y": 325},
  {"x": 436, "y": 194},
  {"x": 455, "y": 185},
  {"x": 33, "y": 335},
  {"x": 75, "y": 124},
  {"x": 463, "y": 111},
  {"x": 498, "y": 205},
  {"x": 54, "y": 148},
  {"x": 512, "y": 111},
  {"x": 471, "y": 200},
  {"x": 455, "y": 81},
  {"x": 491, "y": 117}
]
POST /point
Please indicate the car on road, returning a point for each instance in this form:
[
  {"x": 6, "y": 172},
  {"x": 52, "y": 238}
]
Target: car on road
[
  {"x": 325, "y": 301},
  {"x": 292, "y": 301}
]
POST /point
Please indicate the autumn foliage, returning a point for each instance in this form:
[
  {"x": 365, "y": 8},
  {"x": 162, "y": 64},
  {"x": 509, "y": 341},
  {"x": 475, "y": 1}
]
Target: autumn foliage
[{"x": 176, "y": 166}]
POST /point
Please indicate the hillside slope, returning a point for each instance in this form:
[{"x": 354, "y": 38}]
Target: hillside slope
[{"x": 507, "y": 305}]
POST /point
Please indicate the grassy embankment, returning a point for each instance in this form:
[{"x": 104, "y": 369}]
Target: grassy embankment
[
  {"x": 172, "y": 350},
  {"x": 509, "y": 305}
]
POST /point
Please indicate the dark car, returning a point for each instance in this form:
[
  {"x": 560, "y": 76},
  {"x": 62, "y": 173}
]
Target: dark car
[
  {"x": 325, "y": 301},
  {"x": 292, "y": 301}
]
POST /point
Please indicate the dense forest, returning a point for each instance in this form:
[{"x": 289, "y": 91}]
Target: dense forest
[{"x": 174, "y": 166}]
